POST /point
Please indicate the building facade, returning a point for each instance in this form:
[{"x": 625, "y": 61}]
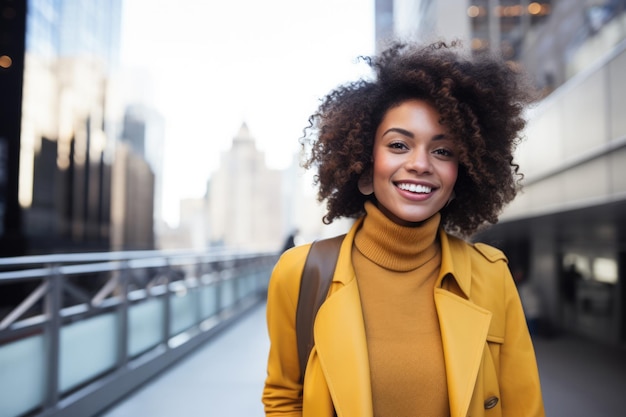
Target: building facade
[
  {"x": 61, "y": 126},
  {"x": 567, "y": 229},
  {"x": 425, "y": 20},
  {"x": 245, "y": 199}
]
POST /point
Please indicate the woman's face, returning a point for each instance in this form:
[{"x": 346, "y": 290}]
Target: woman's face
[{"x": 415, "y": 163}]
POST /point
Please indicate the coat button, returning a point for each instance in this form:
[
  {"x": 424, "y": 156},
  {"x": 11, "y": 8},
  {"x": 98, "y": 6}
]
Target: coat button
[{"x": 491, "y": 402}]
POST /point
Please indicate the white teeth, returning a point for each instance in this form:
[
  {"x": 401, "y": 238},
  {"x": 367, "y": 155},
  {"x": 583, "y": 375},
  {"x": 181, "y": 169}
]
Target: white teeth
[{"x": 415, "y": 188}]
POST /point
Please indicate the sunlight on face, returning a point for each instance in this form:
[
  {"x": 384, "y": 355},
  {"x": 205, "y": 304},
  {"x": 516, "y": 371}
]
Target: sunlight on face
[{"x": 415, "y": 163}]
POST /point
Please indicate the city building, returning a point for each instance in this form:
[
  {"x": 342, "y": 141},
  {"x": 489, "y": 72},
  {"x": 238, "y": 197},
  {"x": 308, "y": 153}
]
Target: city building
[
  {"x": 193, "y": 229},
  {"x": 59, "y": 129},
  {"x": 245, "y": 199},
  {"x": 303, "y": 212},
  {"x": 142, "y": 136},
  {"x": 567, "y": 229},
  {"x": 427, "y": 20},
  {"x": 132, "y": 201}
]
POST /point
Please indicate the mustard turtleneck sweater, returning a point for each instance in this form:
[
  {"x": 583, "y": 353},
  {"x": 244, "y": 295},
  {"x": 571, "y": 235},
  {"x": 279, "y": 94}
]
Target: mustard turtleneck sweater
[{"x": 396, "y": 269}]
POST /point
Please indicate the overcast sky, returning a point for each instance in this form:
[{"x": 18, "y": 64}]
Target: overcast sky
[{"x": 207, "y": 66}]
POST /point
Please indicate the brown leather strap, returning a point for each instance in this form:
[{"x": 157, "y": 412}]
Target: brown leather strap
[{"x": 315, "y": 282}]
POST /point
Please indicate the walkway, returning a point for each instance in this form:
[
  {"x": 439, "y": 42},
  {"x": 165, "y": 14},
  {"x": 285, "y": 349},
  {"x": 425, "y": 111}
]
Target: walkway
[
  {"x": 222, "y": 379},
  {"x": 225, "y": 378},
  {"x": 580, "y": 378}
]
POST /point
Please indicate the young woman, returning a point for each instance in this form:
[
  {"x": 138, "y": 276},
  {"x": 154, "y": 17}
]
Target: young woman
[{"x": 417, "y": 321}]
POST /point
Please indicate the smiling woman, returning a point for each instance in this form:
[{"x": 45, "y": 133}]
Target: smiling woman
[
  {"x": 480, "y": 103},
  {"x": 415, "y": 163},
  {"x": 417, "y": 321}
]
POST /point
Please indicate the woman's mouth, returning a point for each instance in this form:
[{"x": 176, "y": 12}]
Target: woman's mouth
[{"x": 415, "y": 188}]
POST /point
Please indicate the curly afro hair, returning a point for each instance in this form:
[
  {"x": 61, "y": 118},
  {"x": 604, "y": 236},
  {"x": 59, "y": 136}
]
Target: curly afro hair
[{"x": 481, "y": 100}]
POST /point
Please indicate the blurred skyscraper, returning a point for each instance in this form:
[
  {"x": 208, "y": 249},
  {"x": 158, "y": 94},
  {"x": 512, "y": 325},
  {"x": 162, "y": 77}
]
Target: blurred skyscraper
[
  {"x": 59, "y": 135},
  {"x": 137, "y": 179},
  {"x": 421, "y": 19},
  {"x": 245, "y": 199}
]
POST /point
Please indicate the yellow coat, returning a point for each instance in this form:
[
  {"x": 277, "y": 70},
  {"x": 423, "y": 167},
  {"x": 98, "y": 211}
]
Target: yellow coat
[{"x": 490, "y": 362}]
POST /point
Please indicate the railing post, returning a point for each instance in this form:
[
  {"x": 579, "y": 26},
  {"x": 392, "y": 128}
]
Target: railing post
[
  {"x": 235, "y": 280},
  {"x": 218, "y": 271},
  {"x": 53, "y": 305},
  {"x": 198, "y": 291},
  {"x": 122, "y": 348},
  {"x": 167, "y": 307}
]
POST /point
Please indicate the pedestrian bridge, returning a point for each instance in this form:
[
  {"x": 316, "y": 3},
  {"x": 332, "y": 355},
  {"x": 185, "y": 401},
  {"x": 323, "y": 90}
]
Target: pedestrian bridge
[{"x": 81, "y": 331}]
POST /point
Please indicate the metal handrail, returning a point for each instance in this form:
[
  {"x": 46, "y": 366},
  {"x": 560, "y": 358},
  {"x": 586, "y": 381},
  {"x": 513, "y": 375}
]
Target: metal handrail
[
  {"x": 87, "y": 257},
  {"x": 124, "y": 279}
]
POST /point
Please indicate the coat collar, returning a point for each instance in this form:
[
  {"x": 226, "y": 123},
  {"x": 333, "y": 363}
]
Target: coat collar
[
  {"x": 341, "y": 341},
  {"x": 455, "y": 263},
  {"x": 457, "y": 267}
]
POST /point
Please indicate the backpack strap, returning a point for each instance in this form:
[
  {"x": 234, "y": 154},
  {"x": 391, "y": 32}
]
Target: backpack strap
[{"x": 314, "y": 284}]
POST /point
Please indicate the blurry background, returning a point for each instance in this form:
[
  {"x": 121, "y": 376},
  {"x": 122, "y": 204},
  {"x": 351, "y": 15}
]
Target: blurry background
[
  {"x": 146, "y": 124},
  {"x": 136, "y": 116},
  {"x": 141, "y": 124}
]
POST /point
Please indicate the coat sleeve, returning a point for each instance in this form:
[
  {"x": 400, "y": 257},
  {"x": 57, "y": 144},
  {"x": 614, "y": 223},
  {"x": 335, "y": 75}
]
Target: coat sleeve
[
  {"x": 282, "y": 394},
  {"x": 519, "y": 377}
]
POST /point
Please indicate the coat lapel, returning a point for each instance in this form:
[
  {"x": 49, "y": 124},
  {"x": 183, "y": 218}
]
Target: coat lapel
[
  {"x": 340, "y": 340},
  {"x": 342, "y": 350},
  {"x": 464, "y": 329},
  {"x": 464, "y": 325}
]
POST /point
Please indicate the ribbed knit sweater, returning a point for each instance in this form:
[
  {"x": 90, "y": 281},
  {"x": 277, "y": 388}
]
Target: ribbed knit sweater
[{"x": 396, "y": 269}]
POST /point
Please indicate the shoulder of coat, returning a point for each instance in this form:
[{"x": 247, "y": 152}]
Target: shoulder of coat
[
  {"x": 291, "y": 263},
  {"x": 490, "y": 253}
]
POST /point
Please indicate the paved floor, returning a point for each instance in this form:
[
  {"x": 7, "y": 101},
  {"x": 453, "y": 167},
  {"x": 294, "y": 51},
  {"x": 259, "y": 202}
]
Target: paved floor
[
  {"x": 225, "y": 378},
  {"x": 580, "y": 378}
]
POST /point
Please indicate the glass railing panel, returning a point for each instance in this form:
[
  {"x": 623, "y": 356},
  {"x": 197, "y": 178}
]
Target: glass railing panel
[
  {"x": 227, "y": 293},
  {"x": 183, "y": 310},
  {"x": 145, "y": 325},
  {"x": 22, "y": 376},
  {"x": 88, "y": 348},
  {"x": 208, "y": 301},
  {"x": 249, "y": 280}
]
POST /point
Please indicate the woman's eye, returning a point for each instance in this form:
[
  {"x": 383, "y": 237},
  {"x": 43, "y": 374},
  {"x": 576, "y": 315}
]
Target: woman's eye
[
  {"x": 397, "y": 145},
  {"x": 443, "y": 152}
]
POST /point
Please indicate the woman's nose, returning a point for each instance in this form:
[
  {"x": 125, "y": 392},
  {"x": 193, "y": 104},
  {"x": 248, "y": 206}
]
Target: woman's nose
[{"x": 419, "y": 161}]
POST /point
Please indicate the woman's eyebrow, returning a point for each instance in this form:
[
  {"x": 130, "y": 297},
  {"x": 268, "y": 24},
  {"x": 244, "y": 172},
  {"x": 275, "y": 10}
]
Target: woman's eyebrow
[
  {"x": 441, "y": 136},
  {"x": 404, "y": 132}
]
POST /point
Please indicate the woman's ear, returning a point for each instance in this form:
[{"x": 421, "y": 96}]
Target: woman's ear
[
  {"x": 366, "y": 183},
  {"x": 452, "y": 197}
]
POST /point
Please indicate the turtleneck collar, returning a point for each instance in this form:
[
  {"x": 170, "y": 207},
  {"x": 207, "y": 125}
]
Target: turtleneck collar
[{"x": 395, "y": 247}]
